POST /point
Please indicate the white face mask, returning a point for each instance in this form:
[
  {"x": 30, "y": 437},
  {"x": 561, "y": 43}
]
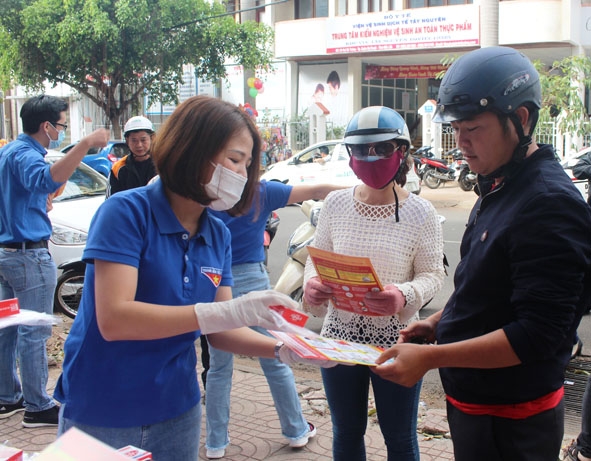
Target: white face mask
[{"x": 226, "y": 187}]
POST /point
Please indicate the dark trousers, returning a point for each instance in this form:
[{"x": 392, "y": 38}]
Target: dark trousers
[
  {"x": 204, "y": 359},
  {"x": 490, "y": 438}
]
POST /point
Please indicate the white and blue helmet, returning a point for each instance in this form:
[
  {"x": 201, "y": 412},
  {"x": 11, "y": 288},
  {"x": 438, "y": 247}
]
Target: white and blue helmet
[{"x": 376, "y": 124}]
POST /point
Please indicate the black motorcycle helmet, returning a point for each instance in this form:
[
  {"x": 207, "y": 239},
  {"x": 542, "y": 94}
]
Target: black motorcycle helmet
[{"x": 496, "y": 79}]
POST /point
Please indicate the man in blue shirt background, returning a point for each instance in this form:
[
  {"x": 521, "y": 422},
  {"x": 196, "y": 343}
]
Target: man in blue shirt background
[{"x": 27, "y": 271}]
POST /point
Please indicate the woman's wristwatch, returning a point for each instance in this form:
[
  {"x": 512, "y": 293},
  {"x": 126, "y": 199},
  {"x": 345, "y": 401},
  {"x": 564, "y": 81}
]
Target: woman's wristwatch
[{"x": 278, "y": 346}]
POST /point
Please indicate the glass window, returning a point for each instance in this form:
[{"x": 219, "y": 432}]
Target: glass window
[
  {"x": 368, "y": 6},
  {"x": 304, "y": 9},
  {"x": 388, "y": 99},
  {"x": 428, "y": 3},
  {"x": 311, "y": 9},
  {"x": 321, "y": 8},
  {"x": 375, "y": 96},
  {"x": 400, "y": 94}
]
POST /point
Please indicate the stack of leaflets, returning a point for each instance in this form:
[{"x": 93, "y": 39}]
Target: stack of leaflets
[{"x": 313, "y": 347}]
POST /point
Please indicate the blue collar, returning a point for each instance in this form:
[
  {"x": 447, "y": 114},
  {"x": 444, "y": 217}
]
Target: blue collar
[{"x": 167, "y": 221}]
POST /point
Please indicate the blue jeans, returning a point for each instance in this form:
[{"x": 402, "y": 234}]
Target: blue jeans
[
  {"x": 584, "y": 438},
  {"x": 30, "y": 276},
  {"x": 249, "y": 277},
  {"x": 176, "y": 439},
  {"x": 347, "y": 392}
]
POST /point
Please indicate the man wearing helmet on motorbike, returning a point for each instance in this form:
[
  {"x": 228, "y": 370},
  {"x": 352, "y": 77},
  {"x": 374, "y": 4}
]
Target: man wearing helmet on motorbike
[
  {"x": 136, "y": 168},
  {"x": 400, "y": 232},
  {"x": 505, "y": 336}
]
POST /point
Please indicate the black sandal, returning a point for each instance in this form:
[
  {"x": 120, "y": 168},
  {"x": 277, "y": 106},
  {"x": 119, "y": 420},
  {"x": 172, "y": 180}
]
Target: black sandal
[
  {"x": 577, "y": 349},
  {"x": 572, "y": 453}
]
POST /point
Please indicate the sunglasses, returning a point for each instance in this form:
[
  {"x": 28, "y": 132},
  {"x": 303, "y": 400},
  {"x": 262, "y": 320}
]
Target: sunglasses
[{"x": 380, "y": 149}]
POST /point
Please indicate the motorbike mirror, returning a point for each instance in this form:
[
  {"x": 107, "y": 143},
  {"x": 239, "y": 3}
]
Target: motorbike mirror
[{"x": 307, "y": 206}]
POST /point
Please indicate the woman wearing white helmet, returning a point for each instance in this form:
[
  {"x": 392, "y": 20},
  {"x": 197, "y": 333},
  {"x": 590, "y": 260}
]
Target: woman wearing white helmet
[
  {"x": 137, "y": 168},
  {"x": 401, "y": 234}
]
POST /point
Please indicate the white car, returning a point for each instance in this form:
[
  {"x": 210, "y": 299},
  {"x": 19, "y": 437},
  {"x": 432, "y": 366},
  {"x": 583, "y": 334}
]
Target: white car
[
  {"x": 70, "y": 219},
  {"x": 569, "y": 162},
  {"x": 309, "y": 167}
]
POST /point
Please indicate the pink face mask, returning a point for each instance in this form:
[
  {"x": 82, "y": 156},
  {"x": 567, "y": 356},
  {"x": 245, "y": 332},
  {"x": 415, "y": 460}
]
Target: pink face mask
[{"x": 377, "y": 174}]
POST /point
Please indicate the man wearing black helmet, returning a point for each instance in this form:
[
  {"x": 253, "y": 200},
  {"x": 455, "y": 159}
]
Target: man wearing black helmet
[{"x": 505, "y": 336}]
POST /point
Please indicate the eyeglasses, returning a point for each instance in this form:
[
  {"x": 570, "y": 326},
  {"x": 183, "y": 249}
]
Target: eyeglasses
[
  {"x": 63, "y": 125},
  {"x": 381, "y": 149}
]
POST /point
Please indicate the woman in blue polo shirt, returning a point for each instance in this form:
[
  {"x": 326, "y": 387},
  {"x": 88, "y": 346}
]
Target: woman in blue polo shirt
[
  {"x": 250, "y": 273},
  {"x": 129, "y": 373}
]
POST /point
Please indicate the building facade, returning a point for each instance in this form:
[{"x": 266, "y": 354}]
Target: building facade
[
  {"x": 350, "y": 54},
  {"x": 388, "y": 52}
]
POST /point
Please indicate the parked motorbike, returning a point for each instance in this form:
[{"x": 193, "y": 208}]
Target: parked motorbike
[
  {"x": 291, "y": 280},
  {"x": 270, "y": 231},
  {"x": 437, "y": 171},
  {"x": 418, "y": 155},
  {"x": 466, "y": 178},
  {"x": 68, "y": 291}
]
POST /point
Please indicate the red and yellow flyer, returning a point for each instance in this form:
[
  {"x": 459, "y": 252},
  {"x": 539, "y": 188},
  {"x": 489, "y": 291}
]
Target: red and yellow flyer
[
  {"x": 314, "y": 347},
  {"x": 350, "y": 278}
]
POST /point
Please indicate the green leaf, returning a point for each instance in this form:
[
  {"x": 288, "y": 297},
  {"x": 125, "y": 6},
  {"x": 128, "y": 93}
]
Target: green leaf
[{"x": 116, "y": 51}]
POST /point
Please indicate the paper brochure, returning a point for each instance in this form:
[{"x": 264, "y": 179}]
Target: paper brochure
[
  {"x": 350, "y": 278},
  {"x": 316, "y": 347}
]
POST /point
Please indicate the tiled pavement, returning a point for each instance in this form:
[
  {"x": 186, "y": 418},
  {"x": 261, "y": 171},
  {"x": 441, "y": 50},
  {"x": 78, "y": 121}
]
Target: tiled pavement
[{"x": 254, "y": 428}]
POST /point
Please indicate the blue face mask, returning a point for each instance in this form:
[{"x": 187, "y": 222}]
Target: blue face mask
[{"x": 55, "y": 143}]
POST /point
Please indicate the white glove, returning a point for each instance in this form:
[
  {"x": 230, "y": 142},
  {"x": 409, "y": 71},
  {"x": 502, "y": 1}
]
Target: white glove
[
  {"x": 289, "y": 357},
  {"x": 250, "y": 310}
]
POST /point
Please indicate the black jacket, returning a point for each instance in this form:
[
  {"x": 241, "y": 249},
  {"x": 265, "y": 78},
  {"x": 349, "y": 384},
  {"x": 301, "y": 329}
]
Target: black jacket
[
  {"x": 128, "y": 173},
  {"x": 525, "y": 268}
]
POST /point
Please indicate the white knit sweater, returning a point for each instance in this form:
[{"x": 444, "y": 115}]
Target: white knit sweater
[{"x": 408, "y": 254}]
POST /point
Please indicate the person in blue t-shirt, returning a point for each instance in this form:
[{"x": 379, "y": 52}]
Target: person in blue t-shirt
[
  {"x": 249, "y": 273},
  {"x": 129, "y": 371},
  {"x": 27, "y": 270}
]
